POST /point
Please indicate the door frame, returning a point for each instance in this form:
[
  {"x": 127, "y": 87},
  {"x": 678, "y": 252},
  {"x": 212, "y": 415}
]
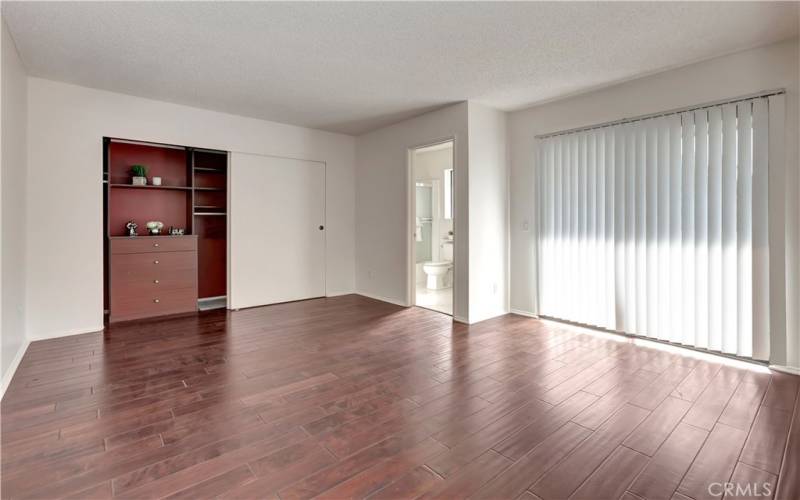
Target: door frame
[{"x": 411, "y": 203}]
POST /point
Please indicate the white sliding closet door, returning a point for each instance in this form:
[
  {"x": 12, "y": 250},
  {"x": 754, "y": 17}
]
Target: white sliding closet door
[{"x": 277, "y": 244}]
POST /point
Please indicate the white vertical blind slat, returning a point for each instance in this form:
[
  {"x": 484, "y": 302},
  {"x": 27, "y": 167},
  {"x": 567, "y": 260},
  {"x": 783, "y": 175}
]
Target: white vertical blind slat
[
  {"x": 662, "y": 232},
  {"x": 641, "y": 231},
  {"x": 574, "y": 265},
  {"x": 729, "y": 269},
  {"x": 583, "y": 177},
  {"x": 541, "y": 205},
  {"x": 687, "y": 228},
  {"x": 630, "y": 228},
  {"x": 610, "y": 176},
  {"x": 592, "y": 249},
  {"x": 701, "y": 229},
  {"x": 760, "y": 220},
  {"x": 675, "y": 209},
  {"x": 556, "y": 243},
  {"x": 619, "y": 227},
  {"x": 715, "y": 228},
  {"x": 744, "y": 230},
  {"x": 651, "y": 244}
]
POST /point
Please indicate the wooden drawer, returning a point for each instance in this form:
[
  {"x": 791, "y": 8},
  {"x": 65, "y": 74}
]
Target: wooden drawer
[
  {"x": 158, "y": 303},
  {"x": 146, "y": 244},
  {"x": 167, "y": 279},
  {"x": 150, "y": 266}
]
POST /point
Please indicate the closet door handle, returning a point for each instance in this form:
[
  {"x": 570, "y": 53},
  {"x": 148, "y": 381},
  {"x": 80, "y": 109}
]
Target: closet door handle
[
  {"x": 156, "y": 301},
  {"x": 155, "y": 281},
  {"x": 155, "y": 244},
  {"x": 155, "y": 262},
  {"x": 321, "y": 228}
]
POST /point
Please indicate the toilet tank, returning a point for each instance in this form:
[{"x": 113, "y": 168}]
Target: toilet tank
[{"x": 447, "y": 250}]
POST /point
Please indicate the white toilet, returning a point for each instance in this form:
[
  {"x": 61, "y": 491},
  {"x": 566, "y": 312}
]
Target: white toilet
[{"x": 438, "y": 274}]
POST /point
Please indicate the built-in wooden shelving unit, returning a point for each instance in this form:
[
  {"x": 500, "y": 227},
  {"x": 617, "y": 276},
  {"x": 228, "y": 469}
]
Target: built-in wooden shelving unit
[{"x": 192, "y": 195}]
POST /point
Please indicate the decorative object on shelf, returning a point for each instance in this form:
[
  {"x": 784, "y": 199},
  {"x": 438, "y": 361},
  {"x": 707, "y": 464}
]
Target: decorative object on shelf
[
  {"x": 155, "y": 227},
  {"x": 139, "y": 175},
  {"x": 132, "y": 226},
  {"x": 156, "y": 181},
  {"x": 176, "y": 231}
]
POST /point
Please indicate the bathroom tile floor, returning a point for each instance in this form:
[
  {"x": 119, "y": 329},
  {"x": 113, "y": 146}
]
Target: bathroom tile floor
[{"x": 438, "y": 300}]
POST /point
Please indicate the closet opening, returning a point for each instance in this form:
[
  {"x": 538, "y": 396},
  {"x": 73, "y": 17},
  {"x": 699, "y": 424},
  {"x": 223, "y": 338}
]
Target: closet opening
[{"x": 165, "y": 214}]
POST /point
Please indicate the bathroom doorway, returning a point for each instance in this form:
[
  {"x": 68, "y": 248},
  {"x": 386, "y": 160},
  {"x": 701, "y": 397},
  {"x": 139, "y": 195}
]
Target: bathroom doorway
[{"x": 432, "y": 271}]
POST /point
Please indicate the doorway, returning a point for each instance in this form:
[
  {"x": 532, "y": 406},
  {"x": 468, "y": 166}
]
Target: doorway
[{"x": 431, "y": 217}]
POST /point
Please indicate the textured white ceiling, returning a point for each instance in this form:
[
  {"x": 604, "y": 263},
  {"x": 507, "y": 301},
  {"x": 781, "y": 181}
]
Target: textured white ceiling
[{"x": 351, "y": 67}]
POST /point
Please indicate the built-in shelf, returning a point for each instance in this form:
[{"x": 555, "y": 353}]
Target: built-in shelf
[
  {"x": 145, "y": 236},
  {"x": 210, "y": 303},
  {"x": 131, "y": 186},
  {"x": 194, "y": 184},
  {"x": 209, "y": 170}
]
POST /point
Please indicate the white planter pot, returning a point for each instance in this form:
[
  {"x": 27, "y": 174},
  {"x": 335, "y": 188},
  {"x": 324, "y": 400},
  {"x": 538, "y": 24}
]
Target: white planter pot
[{"x": 139, "y": 181}]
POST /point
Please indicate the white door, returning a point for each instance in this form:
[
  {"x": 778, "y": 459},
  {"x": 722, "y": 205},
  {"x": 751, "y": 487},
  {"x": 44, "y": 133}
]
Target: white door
[{"x": 277, "y": 232}]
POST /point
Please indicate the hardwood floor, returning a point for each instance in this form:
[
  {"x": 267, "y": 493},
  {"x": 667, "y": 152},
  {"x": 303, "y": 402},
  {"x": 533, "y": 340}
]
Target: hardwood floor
[{"x": 348, "y": 397}]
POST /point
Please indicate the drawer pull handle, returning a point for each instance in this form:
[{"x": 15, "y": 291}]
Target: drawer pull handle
[
  {"x": 155, "y": 300},
  {"x": 155, "y": 281},
  {"x": 155, "y": 244},
  {"x": 155, "y": 262}
]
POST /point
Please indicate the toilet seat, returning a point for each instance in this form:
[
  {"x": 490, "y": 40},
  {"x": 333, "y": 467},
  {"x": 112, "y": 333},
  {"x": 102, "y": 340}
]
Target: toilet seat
[{"x": 442, "y": 263}]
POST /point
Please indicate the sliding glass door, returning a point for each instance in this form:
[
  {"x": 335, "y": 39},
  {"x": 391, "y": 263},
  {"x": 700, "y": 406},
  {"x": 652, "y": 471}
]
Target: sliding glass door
[{"x": 659, "y": 228}]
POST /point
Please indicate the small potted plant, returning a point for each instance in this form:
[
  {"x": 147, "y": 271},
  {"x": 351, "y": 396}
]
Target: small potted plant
[{"x": 139, "y": 175}]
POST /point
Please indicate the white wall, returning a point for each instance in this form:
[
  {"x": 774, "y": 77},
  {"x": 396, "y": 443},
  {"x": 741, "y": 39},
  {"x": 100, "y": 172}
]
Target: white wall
[
  {"x": 765, "y": 68},
  {"x": 488, "y": 210},
  {"x": 382, "y": 211},
  {"x": 793, "y": 236},
  {"x": 65, "y": 129},
  {"x": 431, "y": 164},
  {"x": 12, "y": 177}
]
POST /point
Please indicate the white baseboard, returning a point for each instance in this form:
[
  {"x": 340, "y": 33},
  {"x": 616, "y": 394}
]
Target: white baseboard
[
  {"x": 382, "y": 299},
  {"x": 785, "y": 369},
  {"x": 9, "y": 375},
  {"x": 493, "y": 314},
  {"x": 524, "y": 313},
  {"x": 461, "y": 319},
  {"x": 66, "y": 333},
  {"x": 340, "y": 293}
]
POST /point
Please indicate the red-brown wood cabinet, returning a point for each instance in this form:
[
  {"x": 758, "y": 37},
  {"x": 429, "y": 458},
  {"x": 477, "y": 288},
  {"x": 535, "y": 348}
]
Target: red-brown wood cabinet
[{"x": 147, "y": 275}]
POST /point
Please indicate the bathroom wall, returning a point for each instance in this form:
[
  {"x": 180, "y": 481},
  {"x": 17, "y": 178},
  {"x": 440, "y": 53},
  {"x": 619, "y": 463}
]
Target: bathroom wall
[{"x": 430, "y": 165}]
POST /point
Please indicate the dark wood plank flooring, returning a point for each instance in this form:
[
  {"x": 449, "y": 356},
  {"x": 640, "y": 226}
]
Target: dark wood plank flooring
[{"x": 349, "y": 397}]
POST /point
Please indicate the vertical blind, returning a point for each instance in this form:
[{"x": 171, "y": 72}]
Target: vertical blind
[{"x": 659, "y": 228}]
